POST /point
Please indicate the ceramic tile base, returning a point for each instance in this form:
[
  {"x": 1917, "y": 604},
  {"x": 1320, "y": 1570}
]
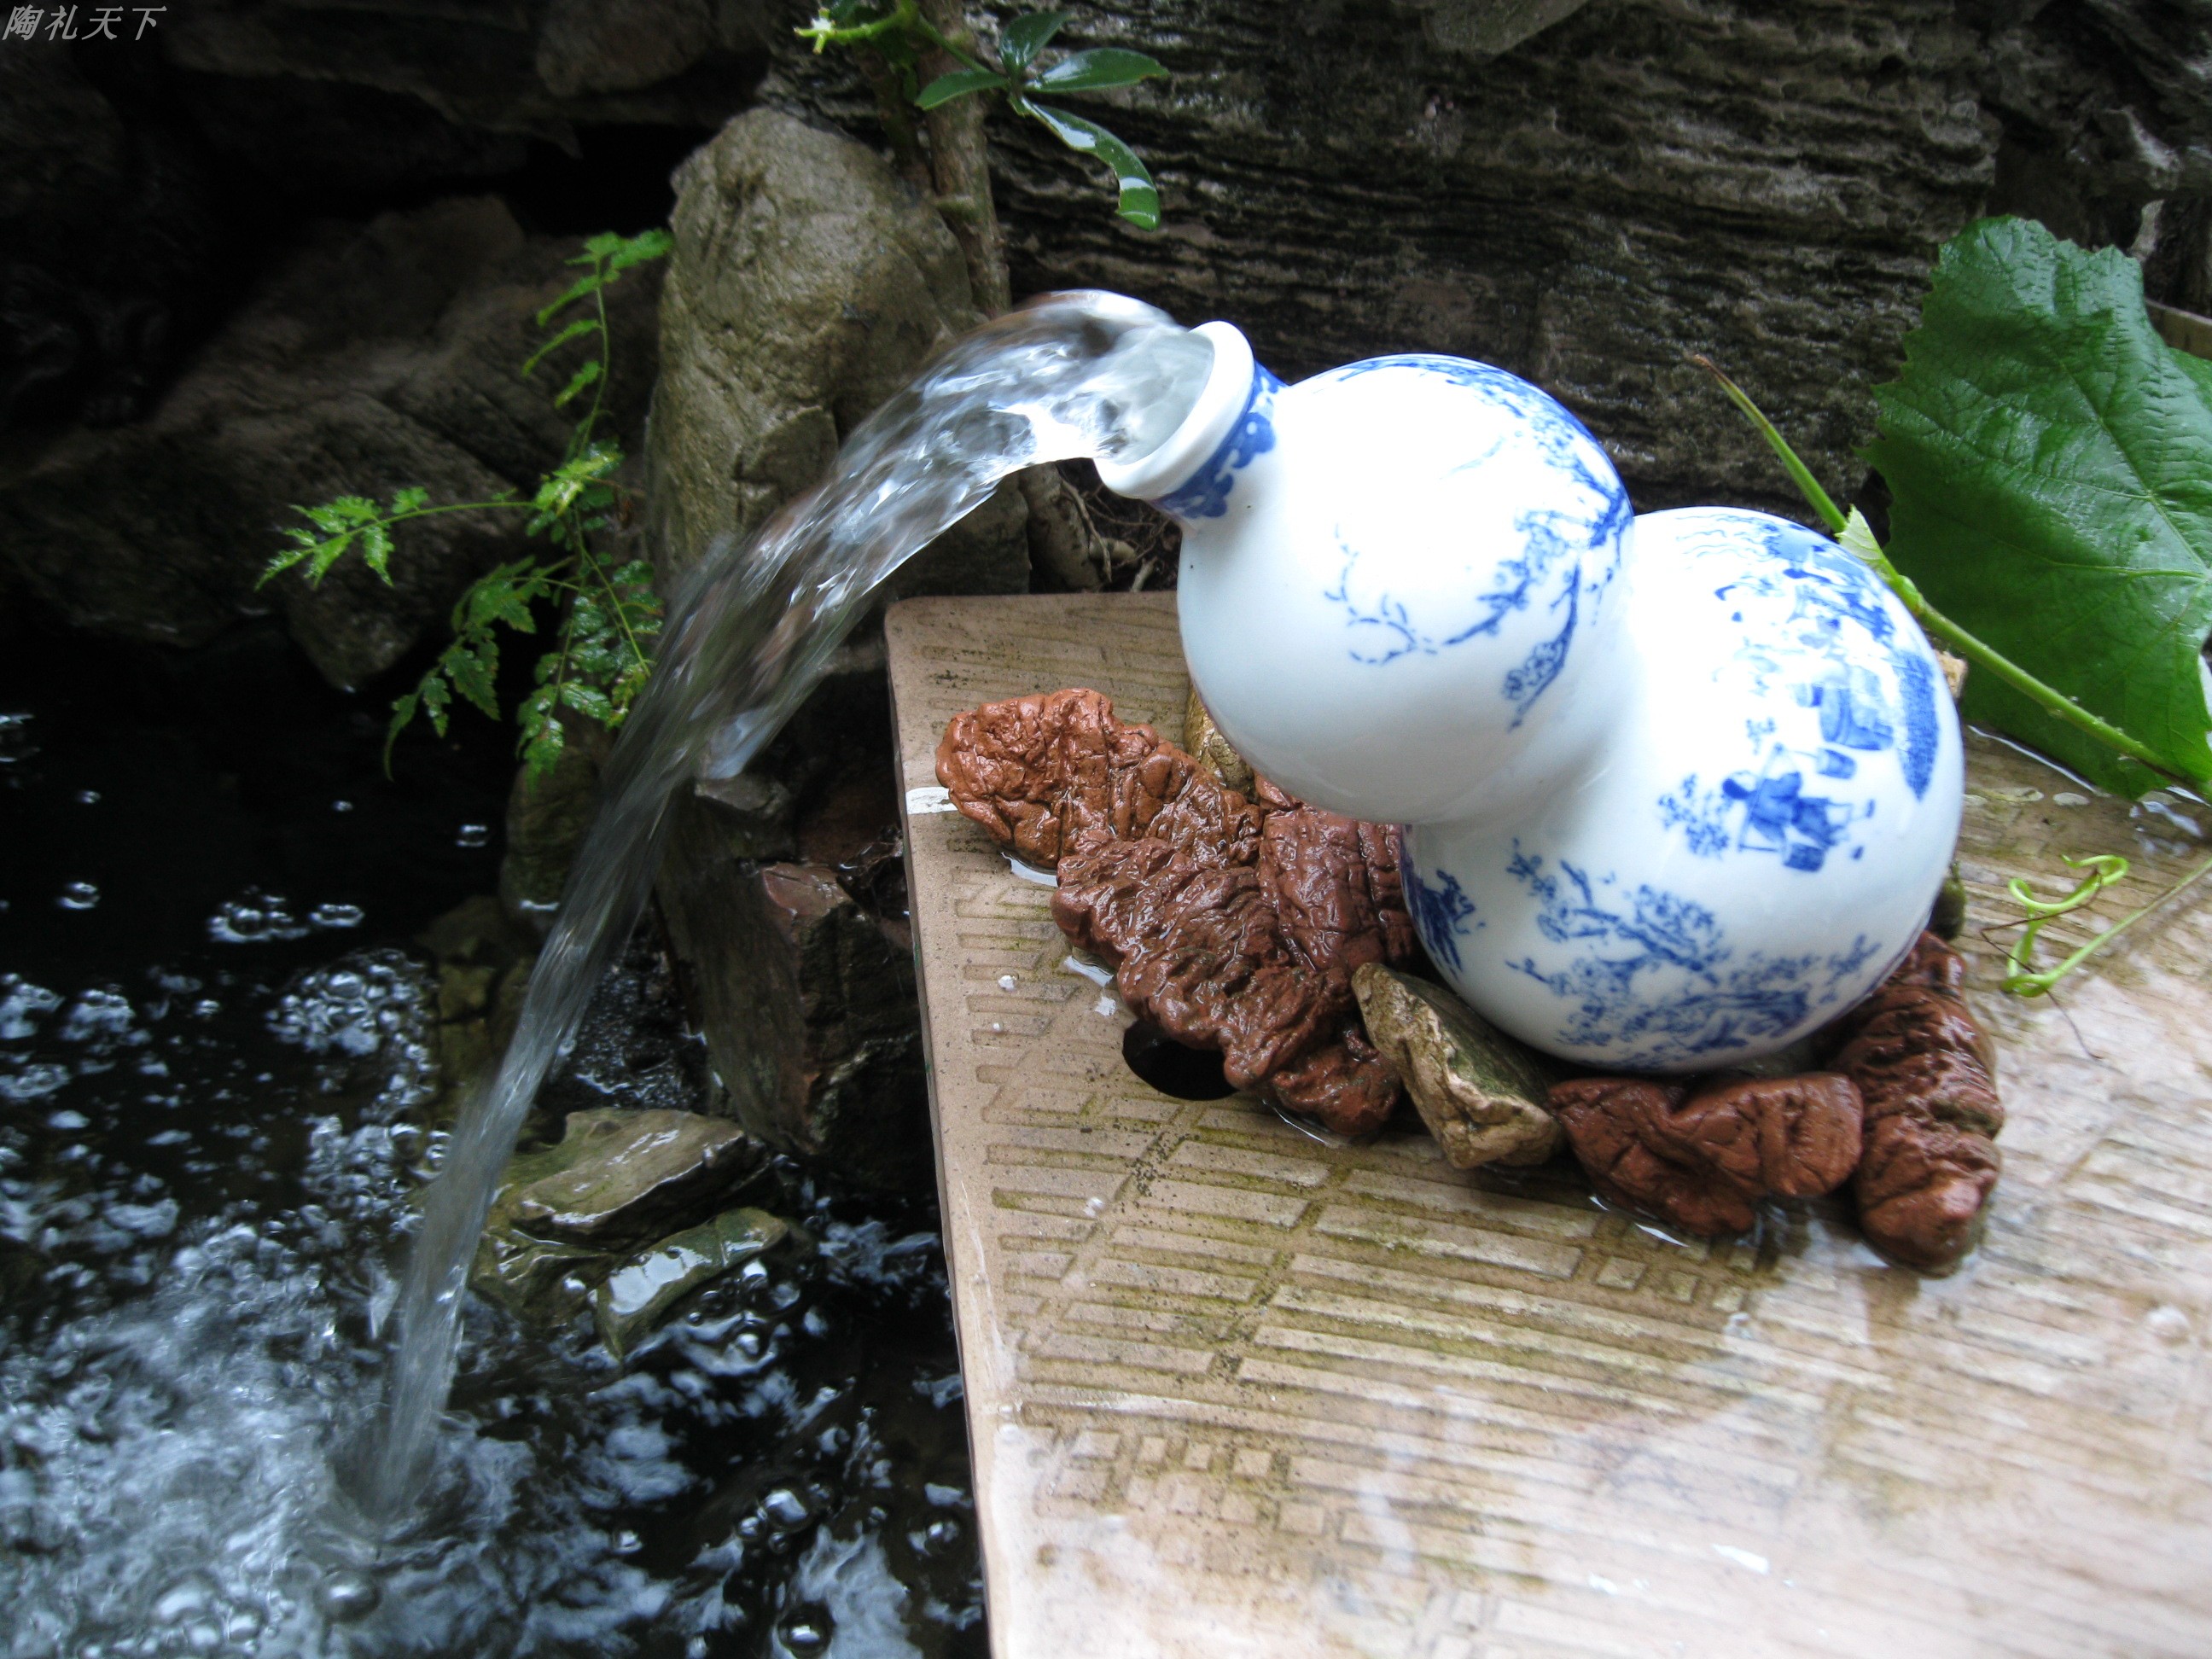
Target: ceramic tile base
[{"x": 1233, "y": 1391}]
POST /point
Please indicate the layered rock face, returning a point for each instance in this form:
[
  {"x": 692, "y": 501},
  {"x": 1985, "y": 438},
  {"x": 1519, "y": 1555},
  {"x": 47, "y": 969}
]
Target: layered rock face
[
  {"x": 372, "y": 359},
  {"x": 807, "y": 285},
  {"x": 1637, "y": 181}
]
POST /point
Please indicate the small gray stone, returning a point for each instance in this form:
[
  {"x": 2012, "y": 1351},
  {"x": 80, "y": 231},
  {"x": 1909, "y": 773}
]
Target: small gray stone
[
  {"x": 1480, "y": 1092},
  {"x": 640, "y": 1293},
  {"x": 543, "y": 1280},
  {"x": 617, "y": 1176},
  {"x": 1204, "y": 742}
]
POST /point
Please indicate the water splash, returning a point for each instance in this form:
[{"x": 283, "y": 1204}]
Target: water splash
[{"x": 752, "y": 631}]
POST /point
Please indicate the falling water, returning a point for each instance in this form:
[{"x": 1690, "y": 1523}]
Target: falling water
[{"x": 1073, "y": 374}]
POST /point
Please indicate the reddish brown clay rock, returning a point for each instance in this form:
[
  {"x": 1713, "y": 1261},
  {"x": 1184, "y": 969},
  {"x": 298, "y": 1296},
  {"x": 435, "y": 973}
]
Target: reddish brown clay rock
[
  {"x": 1037, "y": 772},
  {"x": 1702, "y": 1153},
  {"x": 1923, "y": 1068},
  {"x": 1233, "y": 924}
]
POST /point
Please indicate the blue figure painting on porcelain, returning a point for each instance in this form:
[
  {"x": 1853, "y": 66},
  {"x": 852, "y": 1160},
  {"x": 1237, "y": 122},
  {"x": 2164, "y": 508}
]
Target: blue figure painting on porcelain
[
  {"x": 1716, "y": 1000},
  {"x": 1763, "y": 838},
  {"x": 1816, "y": 634},
  {"x": 1440, "y": 910}
]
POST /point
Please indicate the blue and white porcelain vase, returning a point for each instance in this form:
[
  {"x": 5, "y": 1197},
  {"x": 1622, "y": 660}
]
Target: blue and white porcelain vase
[{"x": 1677, "y": 789}]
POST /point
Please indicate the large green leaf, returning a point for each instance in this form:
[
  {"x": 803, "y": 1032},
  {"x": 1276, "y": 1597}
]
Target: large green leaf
[{"x": 2049, "y": 460}]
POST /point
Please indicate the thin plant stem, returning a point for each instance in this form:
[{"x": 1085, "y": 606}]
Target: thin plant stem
[
  {"x": 590, "y": 423},
  {"x": 1800, "y": 474},
  {"x": 2023, "y": 982}
]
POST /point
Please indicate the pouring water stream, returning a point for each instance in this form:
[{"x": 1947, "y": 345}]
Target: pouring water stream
[{"x": 1084, "y": 374}]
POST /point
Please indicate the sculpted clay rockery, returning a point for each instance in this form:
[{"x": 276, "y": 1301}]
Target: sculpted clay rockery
[{"x": 1233, "y": 924}]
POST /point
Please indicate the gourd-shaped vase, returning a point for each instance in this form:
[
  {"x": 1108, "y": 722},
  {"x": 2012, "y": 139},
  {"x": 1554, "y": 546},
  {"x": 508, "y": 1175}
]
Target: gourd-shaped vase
[{"x": 1676, "y": 789}]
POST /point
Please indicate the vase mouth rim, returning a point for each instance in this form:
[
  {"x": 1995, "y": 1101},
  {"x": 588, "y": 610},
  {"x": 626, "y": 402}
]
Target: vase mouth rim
[{"x": 1164, "y": 470}]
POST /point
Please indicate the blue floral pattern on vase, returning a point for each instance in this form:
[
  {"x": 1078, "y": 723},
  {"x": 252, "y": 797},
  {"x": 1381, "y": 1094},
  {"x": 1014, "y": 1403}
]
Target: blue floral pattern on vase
[
  {"x": 1205, "y": 494},
  {"x": 1568, "y": 541}
]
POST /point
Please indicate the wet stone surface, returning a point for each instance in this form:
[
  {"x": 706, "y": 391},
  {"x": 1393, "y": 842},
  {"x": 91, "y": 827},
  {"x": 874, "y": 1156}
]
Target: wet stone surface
[{"x": 211, "y": 1125}]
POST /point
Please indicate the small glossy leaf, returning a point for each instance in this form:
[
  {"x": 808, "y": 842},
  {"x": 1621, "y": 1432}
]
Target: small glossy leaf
[
  {"x": 437, "y": 696},
  {"x": 579, "y": 381},
  {"x": 1021, "y": 40},
  {"x": 403, "y": 711},
  {"x": 586, "y": 700},
  {"x": 1140, "y": 201},
  {"x": 303, "y": 542},
  {"x": 2050, "y": 462},
  {"x": 580, "y": 326},
  {"x": 328, "y": 555},
  {"x": 578, "y": 289},
  {"x": 343, "y": 513},
  {"x": 541, "y": 748},
  {"x": 412, "y": 499},
  {"x": 376, "y": 549},
  {"x": 958, "y": 84},
  {"x": 1099, "y": 71},
  {"x": 472, "y": 664},
  {"x": 1857, "y": 537},
  {"x": 637, "y": 250}
]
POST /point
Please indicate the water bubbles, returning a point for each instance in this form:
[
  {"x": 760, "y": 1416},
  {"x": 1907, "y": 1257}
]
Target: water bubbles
[
  {"x": 32, "y": 1082},
  {"x": 15, "y": 745},
  {"x": 87, "y": 798},
  {"x": 252, "y": 918},
  {"x": 371, "y": 1007},
  {"x": 345, "y": 1596},
  {"x": 102, "y": 1018},
  {"x": 78, "y": 896},
  {"x": 20, "y": 1003},
  {"x": 805, "y": 1630},
  {"x": 473, "y": 834},
  {"x": 341, "y": 806},
  {"x": 785, "y": 1509},
  {"x": 188, "y": 1598},
  {"x": 2168, "y": 1324},
  {"x": 256, "y": 917}
]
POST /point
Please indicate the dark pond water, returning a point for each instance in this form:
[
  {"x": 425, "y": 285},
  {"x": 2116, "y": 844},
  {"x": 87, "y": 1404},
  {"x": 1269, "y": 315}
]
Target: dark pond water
[{"x": 215, "y": 1071}]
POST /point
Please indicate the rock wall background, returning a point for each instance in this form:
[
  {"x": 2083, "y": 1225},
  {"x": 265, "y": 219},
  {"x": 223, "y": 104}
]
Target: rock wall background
[
  {"x": 1625, "y": 182},
  {"x": 1642, "y": 180}
]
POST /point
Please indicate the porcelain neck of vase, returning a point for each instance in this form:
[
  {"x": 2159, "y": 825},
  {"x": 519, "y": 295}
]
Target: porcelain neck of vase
[{"x": 1187, "y": 475}]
